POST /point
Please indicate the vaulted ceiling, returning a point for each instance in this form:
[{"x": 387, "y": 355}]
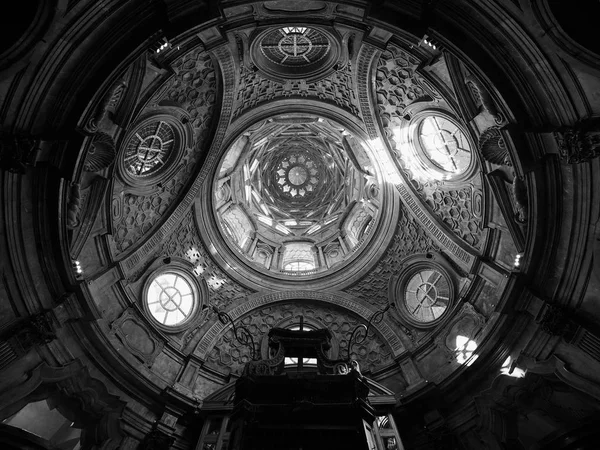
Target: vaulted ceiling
[{"x": 310, "y": 160}]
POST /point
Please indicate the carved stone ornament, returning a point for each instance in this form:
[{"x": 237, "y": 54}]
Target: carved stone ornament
[
  {"x": 580, "y": 143},
  {"x": 16, "y": 153},
  {"x": 493, "y": 148},
  {"x": 34, "y": 331},
  {"x": 136, "y": 338},
  {"x": 74, "y": 206},
  {"x": 480, "y": 92},
  {"x": 109, "y": 100},
  {"x": 519, "y": 190},
  {"x": 556, "y": 321},
  {"x": 101, "y": 154}
]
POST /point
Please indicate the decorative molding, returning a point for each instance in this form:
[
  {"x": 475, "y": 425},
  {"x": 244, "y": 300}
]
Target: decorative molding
[
  {"x": 101, "y": 153},
  {"x": 129, "y": 323},
  {"x": 464, "y": 257},
  {"x": 492, "y": 147},
  {"x": 74, "y": 206},
  {"x": 367, "y": 55},
  {"x": 97, "y": 116},
  {"x": 409, "y": 239},
  {"x": 86, "y": 216},
  {"x": 481, "y": 94},
  {"x": 337, "y": 89},
  {"x": 467, "y": 106},
  {"x": 460, "y": 209},
  {"x": 515, "y": 214}
]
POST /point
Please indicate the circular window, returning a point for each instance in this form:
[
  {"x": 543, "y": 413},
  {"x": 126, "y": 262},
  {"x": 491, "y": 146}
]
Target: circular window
[
  {"x": 171, "y": 298},
  {"x": 424, "y": 293},
  {"x": 445, "y": 145},
  {"x": 295, "y": 46},
  {"x": 149, "y": 149},
  {"x": 297, "y": 52},
  {"x": 427, "y": 295},
  {"x": 152, "y": 150}
]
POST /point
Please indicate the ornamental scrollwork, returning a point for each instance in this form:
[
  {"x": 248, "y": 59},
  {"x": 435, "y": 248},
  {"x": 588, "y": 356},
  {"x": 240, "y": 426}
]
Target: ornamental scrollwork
[{"x": 580, "y": 143}]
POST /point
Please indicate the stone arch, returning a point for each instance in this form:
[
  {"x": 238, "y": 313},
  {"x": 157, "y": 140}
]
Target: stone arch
[{"x": 388, "y": 334}]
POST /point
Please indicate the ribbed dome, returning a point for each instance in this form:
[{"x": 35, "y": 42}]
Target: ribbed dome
[{"x": 295, "y": 183}]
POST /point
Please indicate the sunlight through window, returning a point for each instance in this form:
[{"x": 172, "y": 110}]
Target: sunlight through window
[
  {"x": 464, "y": 350},
  {"x": 512, "y": 370}
]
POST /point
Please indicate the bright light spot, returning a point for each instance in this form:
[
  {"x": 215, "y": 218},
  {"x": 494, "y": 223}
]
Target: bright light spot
[
  {"x": 464, "y": 350},
  {"x": 290, "y": 223},
  {"x": 77, "y": 267},
  {"x": 313, "y": 229},
  {"x": 387, "y": 165},
  {"x": 193, "y": 255},
  {"x": 412, "y": 161},
  {"x": 289, "y": 30},
  {"x": 254, "y": 165},
  {"x": 517, "y": 262},
  {"x": 512, "y": 370},
  {"x": 199, "y": 270},
  {"x": 215, "y": 282},
  {"x": 283, "y": 229},
  {"x": 266, "y": 220}
]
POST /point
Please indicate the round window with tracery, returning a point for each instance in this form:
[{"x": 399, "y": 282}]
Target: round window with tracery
[
  {"x": 445, "y": 145},
  {"x": 171, "y": 299},
  {"x": 427, "y": 295},
  {"x": 149, "y": 149}
]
